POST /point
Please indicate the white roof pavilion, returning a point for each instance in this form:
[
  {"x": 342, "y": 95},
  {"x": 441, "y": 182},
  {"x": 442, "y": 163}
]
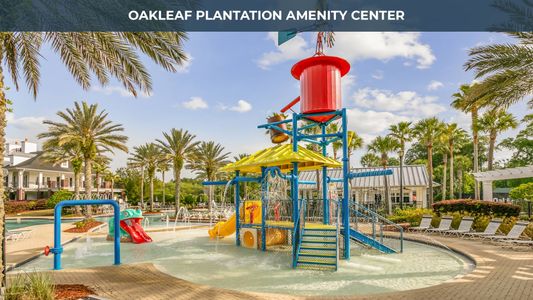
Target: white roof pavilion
[{"x": 488, "y": 177}]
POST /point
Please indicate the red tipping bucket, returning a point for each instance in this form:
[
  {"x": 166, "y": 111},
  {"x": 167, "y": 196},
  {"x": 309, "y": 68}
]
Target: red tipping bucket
[{"x": 320, "y": 84}]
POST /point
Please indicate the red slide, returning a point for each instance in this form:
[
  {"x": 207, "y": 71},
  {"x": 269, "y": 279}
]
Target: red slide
[{"x": 134, "y": 229}]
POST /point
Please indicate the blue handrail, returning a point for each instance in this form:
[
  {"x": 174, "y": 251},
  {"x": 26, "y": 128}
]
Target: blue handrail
[
  {"x": 58, "y": 249},
  {"x": 374, "y": 217},
  {"x": 298, "y": 237}
]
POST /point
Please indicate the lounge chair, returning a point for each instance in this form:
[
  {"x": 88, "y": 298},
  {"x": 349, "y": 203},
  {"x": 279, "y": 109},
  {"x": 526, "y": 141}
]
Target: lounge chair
[
  {"x": 491, "y": 229},
  {"x": 464, "y": 227},
  {"x": 513, "y": 234},
  {"x": 19, "y": 234},
  {"x": 445, "y": 225},
  {"x": 425, "y": 224}
]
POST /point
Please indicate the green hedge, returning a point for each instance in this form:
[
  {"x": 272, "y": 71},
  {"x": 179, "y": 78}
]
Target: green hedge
[
  {"x": 58, "y": 197},
  {"x": 476, "y": 208}
]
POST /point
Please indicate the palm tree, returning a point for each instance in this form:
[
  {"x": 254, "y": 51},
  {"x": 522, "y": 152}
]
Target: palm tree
[
  {"x": 111, "y": 177},
  {"x": 441, "y": 146},
  {"x": 466, "y": 102},
  {"x": 463, "y": 163},
  {"x": 100, "y": 168},
  {"x": 401, "y": 132},
  {"x": 237, "y": 158},
  {"x": 105, "y": 54},
  {"x": 163, "y": 167},
  {"x": 370, "y": 160},
  {"x": 149, "y": 157},
  {"x": 337, "y": 145},
  {"x": 137, "y": 160},
  {"x": 427, "y": 131},
  {"x": 207, "y": 159},
  {"x": 453, "y": 136},
  {"x": 495, "y": 122},
  {"x": 89, "y": 131},
  {"x": 506, "y": 68},
  {"x": 55, "y": 155},
  {"x": 382, "y": 146},
  {"x": 177, "y": 146}
]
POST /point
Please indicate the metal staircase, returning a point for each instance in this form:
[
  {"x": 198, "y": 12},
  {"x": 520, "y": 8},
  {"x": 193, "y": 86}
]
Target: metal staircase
[
  {"x": 369, "y": 228},
  {"x": 318, "y": 249}
]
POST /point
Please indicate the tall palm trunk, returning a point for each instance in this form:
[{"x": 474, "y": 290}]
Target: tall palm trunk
[
  {"x": 460, "y": 180},
  {"x": 97, "y": 184},
  {"x": 112, "y": 188},
  {"x": 430, "y": 175},
  {"x": 88, "y": 182},
  {"x": 3, "y": 122},
  {"x": 401, "y": 178},
  {"x": 444, "y": 175},
  {"x": 177, "y": 183},
  {"x": 142, "y": 187},
  {"x": 476, "y": 150},
  {"x": 151, "y": 193},
  {"x": 452, "y": 190},
  {"x": 77, "y": 178},
  {"x": 388, "y": 200},
  {"x": 492, "y": 145},
  {"x": 163, "y": 179}
]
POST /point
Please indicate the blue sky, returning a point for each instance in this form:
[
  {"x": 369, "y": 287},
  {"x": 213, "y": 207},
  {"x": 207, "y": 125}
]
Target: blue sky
[{"x": 234, "y": 80}]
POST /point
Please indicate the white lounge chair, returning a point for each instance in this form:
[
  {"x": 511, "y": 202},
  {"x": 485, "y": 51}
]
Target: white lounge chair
[
  {"x": 513, "y": 234},
  {"x": 424, "y": 225},
  {"x": 19, "y": 234},
  {"x": 445, "y": 225},
  {"x": 491, "y": 229},
  {"x": 464, "y": 227}
]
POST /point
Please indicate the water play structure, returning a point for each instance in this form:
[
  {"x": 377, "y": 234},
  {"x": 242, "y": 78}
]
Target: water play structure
[
  {"x": 319, "y": 231},
  {"x": 131, "y": 229}
]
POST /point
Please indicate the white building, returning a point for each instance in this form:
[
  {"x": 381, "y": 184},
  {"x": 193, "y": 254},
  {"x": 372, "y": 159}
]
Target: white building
[
  {"x": 28, "y": 177},
  {"x": 370, "y": 191}
]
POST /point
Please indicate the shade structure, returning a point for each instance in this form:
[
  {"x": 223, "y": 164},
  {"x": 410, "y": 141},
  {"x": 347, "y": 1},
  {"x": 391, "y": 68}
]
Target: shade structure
[{"x": 282, "y": 156}]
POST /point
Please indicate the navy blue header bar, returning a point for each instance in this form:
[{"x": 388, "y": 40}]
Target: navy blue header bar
[{"x": 266, "y": 15}]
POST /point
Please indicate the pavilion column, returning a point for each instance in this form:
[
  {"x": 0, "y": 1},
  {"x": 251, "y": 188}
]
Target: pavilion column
[
  {"x": 40, "y": 180},
  {"x": 487, "y": 190},
  {"x": 20, "y": 185}
]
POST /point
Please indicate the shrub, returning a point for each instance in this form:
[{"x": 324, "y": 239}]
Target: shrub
[
  {"x": 82, "y": 223},
  {"x": 413, "y": 216},
  {"x": 30, "y": 286},
  {"x": 477, "y": 208},
  {"x": 522, "y": 192},
  {"x": 58, "y": 197},
  {"x": 15, "y": 207}
]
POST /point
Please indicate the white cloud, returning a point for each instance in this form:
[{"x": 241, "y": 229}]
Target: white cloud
[
  {"x": 378, "y": 75},
  {"x": 407, "y": 103},
  {"x": 356, "y": 46},
  {"x": 25, "y": 123},
  {"x": 434, "y": 85},
  {"x": 347, "y": 83},
  {"x": 185, "y": 67},
  {"x": 195, "y": 103},
  {"x": 122, "y": 92},
  {"x": 242, "y": 106},
  {"x": 369, "y": 123},
  {"x": 295, "y": 48}
]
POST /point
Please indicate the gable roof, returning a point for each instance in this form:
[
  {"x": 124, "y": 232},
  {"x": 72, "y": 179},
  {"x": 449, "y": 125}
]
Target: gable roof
[
  {"x": 282, "y": 156},
  {"x": 37, "y": 163},
  {"x": 413, "y": 175}
]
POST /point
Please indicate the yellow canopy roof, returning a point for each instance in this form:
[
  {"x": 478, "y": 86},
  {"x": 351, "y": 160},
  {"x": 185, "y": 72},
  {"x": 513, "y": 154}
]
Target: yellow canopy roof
[{"x": 282, "y": 156}]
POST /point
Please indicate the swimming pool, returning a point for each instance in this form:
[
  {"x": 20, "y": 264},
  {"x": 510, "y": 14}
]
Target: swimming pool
[
  {"x": 191, "y": 255},
  {"x": 13, "y": 224}
]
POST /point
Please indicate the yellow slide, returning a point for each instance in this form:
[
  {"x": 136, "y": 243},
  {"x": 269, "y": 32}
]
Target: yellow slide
[{"x": 223, "y": 228}]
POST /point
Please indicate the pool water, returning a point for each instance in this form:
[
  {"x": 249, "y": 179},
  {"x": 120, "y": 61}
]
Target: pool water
[
  {"x": 12, "y": 224},
  {"x": 191, "y": 255}
]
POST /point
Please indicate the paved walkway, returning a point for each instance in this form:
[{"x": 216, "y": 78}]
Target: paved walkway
[
  {"x": 41, "y": 235},
  {"x": 501, "y": 273}
]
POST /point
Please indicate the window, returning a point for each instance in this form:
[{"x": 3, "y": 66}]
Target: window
[
  {"x": 395, "y": 197},
  {"x": 25, "y": 180},
  {"x": 70, "y": 181},
  {"x": 64, "y": 164}
]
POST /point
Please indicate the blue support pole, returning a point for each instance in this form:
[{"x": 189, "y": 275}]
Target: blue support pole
[
  {"x": 325, "y": 200},
  {"x": 345, "y": 186},
  {"x": 237, "y": 211},
  {"x": 264, "y": 199},
  {"x": 58, "y": 249}
]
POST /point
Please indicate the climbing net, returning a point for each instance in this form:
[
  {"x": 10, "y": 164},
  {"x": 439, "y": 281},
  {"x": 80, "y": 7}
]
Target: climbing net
[{"x": 275, "y": 190}]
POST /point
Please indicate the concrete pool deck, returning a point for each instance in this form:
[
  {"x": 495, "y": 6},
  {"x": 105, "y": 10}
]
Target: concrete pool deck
[{"x": 500, "y": 273}]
